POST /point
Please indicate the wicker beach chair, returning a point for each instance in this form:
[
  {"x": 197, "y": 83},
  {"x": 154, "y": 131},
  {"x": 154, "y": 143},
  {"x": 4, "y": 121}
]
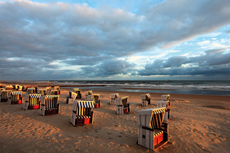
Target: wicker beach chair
[
  {"x": 73, "y": 96},
  {"x": 165, "y": 102},
  {"x": 96, "y": 99},
  {"x": 113, "y": 98},
  {"x": 78, "y": 92},
  {"x": 153, "y": 131},
  {"x": 9, "y": 87},
  {"x": 122, "y": 105},
  {"x": 49, "y": 104},
  {"x": 5, "y": 95},
  {"x": 82, "y": 113},
  {"x": 42, "y": 91},
  {"x": 145, "y": 99},
  {"x": 54, "y": 92},
  {"x": 57, "y": 88},
  {"x": 90, "y": 92},
  {"x": 32, "y": 101},
  {"x": 16, "y": 97},
  {"x": 48, "y": 90},
  {"x": 31, "y": 91}
]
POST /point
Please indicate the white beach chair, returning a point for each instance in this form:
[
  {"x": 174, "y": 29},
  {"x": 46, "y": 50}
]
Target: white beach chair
[
  {"x": 96, "y": 99},
  {"x": 73, "y": 97},
  {"x": 82, "y": 113},
  {"x": 113, "y": 98},
  {"x": 153, "y": 131},
  {"x": 145, "y": 99},
  {"x": 49, "y": 104},
  {"x": 90, "y": 92},
  {"x": 122, "y": 105}
]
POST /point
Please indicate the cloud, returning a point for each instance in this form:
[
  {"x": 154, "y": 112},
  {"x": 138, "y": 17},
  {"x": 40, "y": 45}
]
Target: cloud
[
  {"x": 95, "y": 38},
  {"x": 214, "y": 62},
  {"x": 109, "y": 68}
]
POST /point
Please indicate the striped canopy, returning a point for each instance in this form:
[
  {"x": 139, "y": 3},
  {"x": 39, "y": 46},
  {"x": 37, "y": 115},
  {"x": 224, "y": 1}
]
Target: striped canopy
[
  {"x": 35, "y": 95},
  {"x": 16, "y": 93},
  {"x": 85, "y": 104},
  {"x": 52, "y": 96}
]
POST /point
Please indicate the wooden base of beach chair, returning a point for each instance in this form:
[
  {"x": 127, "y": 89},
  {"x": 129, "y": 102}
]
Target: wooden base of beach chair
[
  {"x": 126, "y": 110},
  {"x": 4, "y": 99},
  {"x": 51, "y": 111},
  {"x": 34, "y": 107},
  {"x": 83, "y": 121},
  {"x": 96, "y": 105},
  {"x": 16, "y": 102}
]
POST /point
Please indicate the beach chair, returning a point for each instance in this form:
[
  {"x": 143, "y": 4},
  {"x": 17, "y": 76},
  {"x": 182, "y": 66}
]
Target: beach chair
[
  {"x": 82, "y": 113},
  {"x": 31, "y": 91},
  {"x": 73, "y": 96},
  {"x": 153, "y": 131},
  {"x": 54, "y": 92},
  {"x": 32, "y": 101},
  {"x": 77, "y": 91},
  {"x": 96, "y": 99},
  {"x": 26, "y": 87},
  {"x": 90, "y": 92},
  {"x": 122, "y": 105},
  {"x": 57, "y": 88},
  {"x": 2, "y": 86},
  {"x": 49, "y": 104},
  {"x": 10, "y": 87},
  {"x": 113, "y": 98},
  {"x": 36, "y": 89},
  {"x": 48, "y": 90},
  {"x": 165, "y": 102},
  {"x": 145, "y": 99},
  {"x": 5, "y": 95},
  {"x": 165, "y": 97},
  {"x": 42, "y": 92},
  {"x": 19, "y": 88},
  {"x": 16, "y": 97}
]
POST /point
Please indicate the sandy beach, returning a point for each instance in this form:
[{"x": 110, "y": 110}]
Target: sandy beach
[{"x": 198, "y": 123}]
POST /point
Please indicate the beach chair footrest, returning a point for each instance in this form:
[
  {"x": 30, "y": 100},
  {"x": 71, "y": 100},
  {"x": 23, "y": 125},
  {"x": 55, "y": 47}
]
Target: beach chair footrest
[
  {"x": 51, "y": 111},
  {"x": 34, "y": 107}
]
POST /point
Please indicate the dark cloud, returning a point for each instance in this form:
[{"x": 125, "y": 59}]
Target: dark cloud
[
  {"x": 214, "y": 62},
  {"x": 40, "y": 34},
  {"x": 109, "y": 68}
]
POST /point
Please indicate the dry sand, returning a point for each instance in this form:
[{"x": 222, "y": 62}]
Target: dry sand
[{"x": 197, "y": 124}]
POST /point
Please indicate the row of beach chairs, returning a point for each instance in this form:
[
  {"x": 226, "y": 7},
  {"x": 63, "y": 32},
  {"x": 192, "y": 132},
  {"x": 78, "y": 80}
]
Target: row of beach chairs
[{"x": 153, "y": 126}]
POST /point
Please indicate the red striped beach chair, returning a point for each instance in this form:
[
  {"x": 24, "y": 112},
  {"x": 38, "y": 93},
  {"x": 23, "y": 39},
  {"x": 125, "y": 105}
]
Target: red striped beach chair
[
  {"x": 32, "y": 101},
  {"x": 82, "y": 113},
  {"x": 16, "y": 97},
  {"x": 153, "y": 131}
]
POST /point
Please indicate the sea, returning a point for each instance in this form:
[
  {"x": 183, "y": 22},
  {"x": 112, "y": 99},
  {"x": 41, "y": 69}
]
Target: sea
[{"x": 197, "y": 87}]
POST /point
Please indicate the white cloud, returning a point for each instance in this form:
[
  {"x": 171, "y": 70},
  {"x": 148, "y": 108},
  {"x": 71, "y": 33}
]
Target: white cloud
[{"x": 203, "y": 42}]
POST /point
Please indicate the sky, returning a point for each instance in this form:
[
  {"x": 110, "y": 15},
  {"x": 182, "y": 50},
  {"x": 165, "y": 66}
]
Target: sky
[{"x": 115, "y": 40}]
